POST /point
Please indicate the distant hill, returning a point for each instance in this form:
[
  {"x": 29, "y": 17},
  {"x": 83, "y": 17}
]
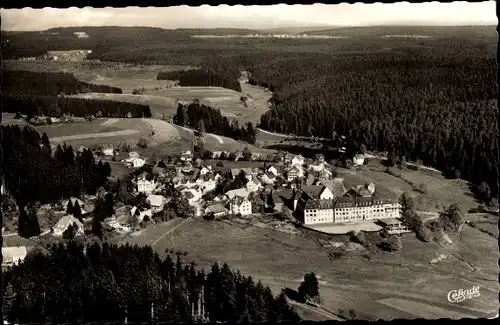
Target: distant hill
[
  {"x": 294, "y": 30},
  {"x": 217, "y": 31},
  {"x": 379, "y": 31}
]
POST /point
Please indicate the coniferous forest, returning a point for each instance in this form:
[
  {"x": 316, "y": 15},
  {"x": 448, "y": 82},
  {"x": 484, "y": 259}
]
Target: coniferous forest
[
  {"x": 76, "y": 284},
  {"x": 206, "y": 78},
  {"x": 34, "y": 93},
  {"x": 207, "y": 119},
  {"x": 33, "y": 173}
]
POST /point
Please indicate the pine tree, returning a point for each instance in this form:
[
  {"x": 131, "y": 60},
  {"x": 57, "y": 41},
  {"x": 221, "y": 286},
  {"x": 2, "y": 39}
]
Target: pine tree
[
  {"x": 77, "y": 211},
  {"x": 309, "y": 288},
  {"x": 70, "y": 209}
]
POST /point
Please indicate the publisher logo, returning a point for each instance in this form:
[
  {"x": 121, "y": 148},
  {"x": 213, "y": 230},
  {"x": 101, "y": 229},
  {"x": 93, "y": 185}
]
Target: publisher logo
[{"x": 462, "y": 294}]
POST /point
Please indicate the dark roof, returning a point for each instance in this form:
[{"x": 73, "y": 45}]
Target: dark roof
[
  {"x": 284, "y": 194},
  {"x": 313, "y": 191},
  {"x": 319, "y": 204},
  {"x": 359, "y": 201},
  {"x": 270, "y": 175},
  {"x": 217, "y": 207}
]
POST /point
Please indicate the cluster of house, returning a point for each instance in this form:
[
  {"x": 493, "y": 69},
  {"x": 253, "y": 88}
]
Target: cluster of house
[
  {"x": 133, "y": 160},
  {"x": 322, "y": 199}
]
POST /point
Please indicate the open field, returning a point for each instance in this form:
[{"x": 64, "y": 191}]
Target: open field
[
  {"x": 441, "y": 192},
  {"x": 280, "y": 260},
  {"x": 216, "y": 142},
  {"x": 8, "y": 119},
  {"x": 158, "y": 94},
  {"x": 125, "y": 76},
  {"x": 267, "y": 137},
  {"x": 114, "y": 131}
]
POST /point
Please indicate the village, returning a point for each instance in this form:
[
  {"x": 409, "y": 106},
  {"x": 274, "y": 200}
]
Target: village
[{"x": 284, "y": 194}]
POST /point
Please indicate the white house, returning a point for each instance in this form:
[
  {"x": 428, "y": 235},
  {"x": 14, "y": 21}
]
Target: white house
[
  {"x": 205, "y": 170},
  {"x": 298, "y": 160},
  {"x": 208, "y": 185},
  {"x": 108, "y": 151},
  {"x": 358, "y": 159},
  {"x": 145, "y": 186},
  {"x": 293, "y": 173},
  {"x": 187, "y": 156},
  {"x": 156, "y": 202},
  {"x": 317, "y": 168},
  {"x": 268, "y": 178},
  {"x": 63, "y": 224},
  {"x": 273, "y": 170},
  {"x": 240, "y": 205},
  {"x": 133, "y": 154},
  {"x": 13, "y": 255},
  {"x": 140, "y": 212},
  {"x": 253, "y": 185}
]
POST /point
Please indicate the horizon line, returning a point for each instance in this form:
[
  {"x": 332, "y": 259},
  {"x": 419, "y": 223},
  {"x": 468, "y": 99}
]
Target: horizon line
[{"x": 326, "y": 27}]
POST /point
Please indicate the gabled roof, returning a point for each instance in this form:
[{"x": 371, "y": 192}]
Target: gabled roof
[
  {"x": 66, "y": 221},
  {"x": 359, "y": 156},
  {"x": 270, "y": 175},
  {"x": 216, "y": 208},
  {"x": 313, "y": 191},
  {"x": 239, "y": 200}
]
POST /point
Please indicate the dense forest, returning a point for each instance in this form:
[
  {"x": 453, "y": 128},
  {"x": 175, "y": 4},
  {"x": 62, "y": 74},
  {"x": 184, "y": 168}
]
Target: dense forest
[
  {"x": 33, "y": 174},
  {"x": 428, "y": 99},
  {"x": 205, "y": 78},
  {"x": 34, "y": 93},
  {"x": 437, "y": 109},
  {"x": 56, "y": 106},
  {"x": 207, "y": 119},
  {"x": 49, "y": 84},
  {"x": 75, "y": 284}
]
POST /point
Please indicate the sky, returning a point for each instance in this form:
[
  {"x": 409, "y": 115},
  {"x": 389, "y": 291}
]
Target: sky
[{"x": 255, "y": 17}]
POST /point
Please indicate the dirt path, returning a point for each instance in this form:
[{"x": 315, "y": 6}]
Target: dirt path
[
  {"x": 94, "y": 135},
  {"x": 275, "y": 134},
  {"x": 216, "y": 137},
  {"x": 315, "y": 310},
  {"x": 168, "y": 232}
]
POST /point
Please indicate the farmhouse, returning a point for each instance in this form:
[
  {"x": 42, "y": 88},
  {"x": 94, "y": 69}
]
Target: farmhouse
[
  {"x": 240, "y": 205},
  {"x": 64, "y": 223},
  {"x": 13, "y": 255},
  {"x": 293, "y": 173},
  {"x": 217, "y": 209},
  {"x": 394, "y": 226},
  {"x": 145, "y": 186},
  {"x": 358, "y": 159}
]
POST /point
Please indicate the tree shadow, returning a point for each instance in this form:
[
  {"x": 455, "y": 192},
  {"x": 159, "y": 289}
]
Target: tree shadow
[{"x": 293, "y": 295}]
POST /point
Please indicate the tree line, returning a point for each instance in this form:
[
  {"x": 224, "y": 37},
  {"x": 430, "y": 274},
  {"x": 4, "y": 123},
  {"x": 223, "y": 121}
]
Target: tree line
[
  {"x": 204, "y": 118},
  {"x": 49, "y": 84},
  {"x": 33, "y": 174},
  {"x": 76, "y": 284},
  {"x": 198, "y": 77},
  {"x": 37, "y": 93},
  {"x": 57, "y": 106}
]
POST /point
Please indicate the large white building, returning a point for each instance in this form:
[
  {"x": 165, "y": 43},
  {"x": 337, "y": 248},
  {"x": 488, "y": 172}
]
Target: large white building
[{"x": 319, "y": 204}]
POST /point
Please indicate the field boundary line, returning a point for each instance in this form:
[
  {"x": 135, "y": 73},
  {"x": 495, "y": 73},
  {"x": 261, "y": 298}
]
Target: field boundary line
[{"x": 168, "y": 232}]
